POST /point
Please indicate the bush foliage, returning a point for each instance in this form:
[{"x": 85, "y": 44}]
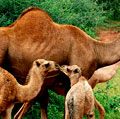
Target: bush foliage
[
  {"x": 112, "y": 8},
  {"x": 85, "y": 14}
]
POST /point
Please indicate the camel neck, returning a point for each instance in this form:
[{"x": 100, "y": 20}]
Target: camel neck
[
  {"x": 107, "y": 52},
  {"x": 30, "y": 91}
]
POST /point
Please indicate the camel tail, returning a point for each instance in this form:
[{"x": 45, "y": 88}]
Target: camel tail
[{"x": 70, "y": 105}]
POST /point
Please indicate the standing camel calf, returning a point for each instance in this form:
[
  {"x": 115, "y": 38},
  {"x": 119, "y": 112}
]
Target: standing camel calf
[
  {"x": 79, "y": 99},
  {"x": 99, "y": 76},
  {"x": 11, "y": 91}
]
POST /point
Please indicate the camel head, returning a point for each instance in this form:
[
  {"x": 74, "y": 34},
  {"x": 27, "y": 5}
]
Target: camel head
[
  {"x": 43, "y": 66},
  {"x": 73, "y": 72}
]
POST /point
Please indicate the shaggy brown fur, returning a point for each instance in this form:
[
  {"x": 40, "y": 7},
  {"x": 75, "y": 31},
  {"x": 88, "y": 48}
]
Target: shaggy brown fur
[
  {"x": 30, "y": 35},
  {"x": 11, "y": 91},
  {"x": 74, "y": 73}
]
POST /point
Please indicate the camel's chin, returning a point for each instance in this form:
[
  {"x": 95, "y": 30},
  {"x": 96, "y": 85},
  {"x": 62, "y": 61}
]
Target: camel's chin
[{"x": 53, "y": 72}]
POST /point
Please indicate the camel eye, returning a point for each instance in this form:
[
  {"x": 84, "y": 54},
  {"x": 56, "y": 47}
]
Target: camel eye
[
  {"x": 37, "y": 63},
  {"x": 47, "y": 65},
  {"x": 76, "y": 71}
]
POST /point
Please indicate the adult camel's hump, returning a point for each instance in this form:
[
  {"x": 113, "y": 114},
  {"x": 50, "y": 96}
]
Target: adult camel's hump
[{"x": 34, "y": 35}]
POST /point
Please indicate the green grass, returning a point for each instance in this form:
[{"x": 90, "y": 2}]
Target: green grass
[
  {"x": 108, "y": 95},
  {"x": 110, "y": 24}
]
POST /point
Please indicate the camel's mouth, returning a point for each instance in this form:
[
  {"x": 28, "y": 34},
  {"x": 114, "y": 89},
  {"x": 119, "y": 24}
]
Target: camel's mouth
[
  {"x": 52, "y": 73},
  {"x": 54, "y": 70}
]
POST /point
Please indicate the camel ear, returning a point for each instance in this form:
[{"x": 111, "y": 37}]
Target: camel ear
[{"x": 37, "y": 63}]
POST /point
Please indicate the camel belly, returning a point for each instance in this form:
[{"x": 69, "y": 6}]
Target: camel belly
[{"x": 21, "y": 56}]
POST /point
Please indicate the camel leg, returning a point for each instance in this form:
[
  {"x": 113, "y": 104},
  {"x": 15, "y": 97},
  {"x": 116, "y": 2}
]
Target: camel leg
[
  {"x": 44, "y": 104},
  {"x": 67, "y": 116},
  {"x": 93, "y": 81},
  {"x": 104, "y": 74},
  {"x": 43, "y": 113},
  {"x": 91, "y": 115},
  {"x": 7, "y": 113},
  {"x": 100, "y": 109},
  {"x": 22, "y": 110}
]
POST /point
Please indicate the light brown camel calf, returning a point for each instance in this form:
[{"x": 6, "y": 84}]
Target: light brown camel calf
[
  {"x": 99, "y": 76},
  {"x": 11, "y": 91},
  {"x": 58, "y": 82},
  {"x": 79, "y": 99}
]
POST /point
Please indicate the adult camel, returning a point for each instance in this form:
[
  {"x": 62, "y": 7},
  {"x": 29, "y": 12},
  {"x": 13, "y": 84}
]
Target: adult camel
[{"x": 34, "y": 35}]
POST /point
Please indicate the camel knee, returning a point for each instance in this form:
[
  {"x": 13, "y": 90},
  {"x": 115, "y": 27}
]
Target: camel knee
[
  {"x": 93, "y": 81},
  {"x": 91, "y": 115}
]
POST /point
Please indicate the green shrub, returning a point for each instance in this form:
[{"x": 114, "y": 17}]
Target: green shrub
[
  {"x": 112, "y": 7},
  {"x": 85, "y": 14},
  {"x": 56, "y": 106},
  {"x": 111, "y": 102}
]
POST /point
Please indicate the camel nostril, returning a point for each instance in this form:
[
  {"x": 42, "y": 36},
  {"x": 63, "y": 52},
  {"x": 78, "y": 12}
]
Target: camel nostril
[
  {"x": 47, "y": 65},
  {"x": 68, "y": 70}
]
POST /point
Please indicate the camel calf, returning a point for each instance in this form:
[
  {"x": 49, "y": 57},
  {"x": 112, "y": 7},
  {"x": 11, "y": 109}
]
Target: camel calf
[
  {"x": 79, "y": 99},
  {"x": 11, "y": 91},
  {"x": 99, "y": 76}
]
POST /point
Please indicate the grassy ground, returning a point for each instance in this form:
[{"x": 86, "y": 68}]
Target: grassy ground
[{"x": 109, "y": 96}]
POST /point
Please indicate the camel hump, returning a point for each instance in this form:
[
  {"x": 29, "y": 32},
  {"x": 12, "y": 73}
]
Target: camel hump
[{"x": 31, "y": 9}]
